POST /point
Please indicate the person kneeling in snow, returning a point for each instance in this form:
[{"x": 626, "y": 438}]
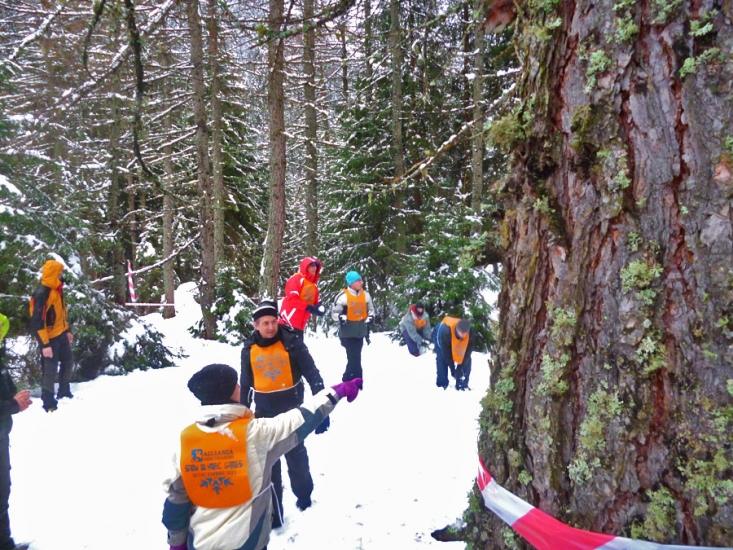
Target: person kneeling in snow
[
  {"x": 219, "y": 495},
  {"x": 415, "y": 329}
]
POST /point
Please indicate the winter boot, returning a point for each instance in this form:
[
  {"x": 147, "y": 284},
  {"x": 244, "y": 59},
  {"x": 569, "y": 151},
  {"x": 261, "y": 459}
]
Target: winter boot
[
  {"x": 67, "y": 394},
  {"x": 303, "y": 503},
  {"x": 49, "y": 403}
]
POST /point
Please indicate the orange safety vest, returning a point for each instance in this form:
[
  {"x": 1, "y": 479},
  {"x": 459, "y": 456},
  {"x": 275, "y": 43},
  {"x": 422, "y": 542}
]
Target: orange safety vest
[
  {"x": 214, "y": 465},
  {"x": 271, "y": 367},
  {"x": 308, "y": 292},
  {"x": 356, "y": 306},
  {"x": 458, "y": 347},
  {"x": 420, "y": 323}
]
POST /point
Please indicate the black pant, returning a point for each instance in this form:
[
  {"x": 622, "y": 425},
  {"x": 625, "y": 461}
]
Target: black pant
[
  {"x": 49, "y": 365},
  {"x": 299, "y": 473},
  {"x": 353, "y": 358},
  {"x": 6, "y": 541}
]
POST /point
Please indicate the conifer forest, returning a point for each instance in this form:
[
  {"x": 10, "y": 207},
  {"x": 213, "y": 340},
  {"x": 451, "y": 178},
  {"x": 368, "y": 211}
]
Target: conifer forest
[{"x": 574, "y": 156}]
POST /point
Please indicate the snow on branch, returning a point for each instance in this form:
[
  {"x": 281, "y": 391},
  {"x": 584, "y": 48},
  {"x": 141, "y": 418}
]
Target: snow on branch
[{"x": 40, "y": 31}]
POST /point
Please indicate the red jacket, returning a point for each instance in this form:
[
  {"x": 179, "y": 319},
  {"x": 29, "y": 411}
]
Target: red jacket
[{"x": 301, "y": 290}]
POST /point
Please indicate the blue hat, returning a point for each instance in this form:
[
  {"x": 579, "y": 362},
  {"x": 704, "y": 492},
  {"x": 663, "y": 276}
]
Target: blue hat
[{"x": 352, "y": 277}]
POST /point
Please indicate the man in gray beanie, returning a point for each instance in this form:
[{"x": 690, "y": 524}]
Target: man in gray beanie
[{"x": 218, "y": 490}]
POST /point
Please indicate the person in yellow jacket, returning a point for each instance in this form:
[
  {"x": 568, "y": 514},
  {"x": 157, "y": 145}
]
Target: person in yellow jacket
[
  {"x": 51, "y": 330},
  {"x": 4, "y": 326},
  {"x": 218, "y": 489}
]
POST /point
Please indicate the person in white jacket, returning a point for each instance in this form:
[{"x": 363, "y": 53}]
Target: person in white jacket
[{"x": 219, "y": 495}]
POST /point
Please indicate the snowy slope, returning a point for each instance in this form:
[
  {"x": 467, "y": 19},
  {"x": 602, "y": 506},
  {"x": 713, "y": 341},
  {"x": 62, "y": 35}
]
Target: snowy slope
[{"x": 396, "y": 464}]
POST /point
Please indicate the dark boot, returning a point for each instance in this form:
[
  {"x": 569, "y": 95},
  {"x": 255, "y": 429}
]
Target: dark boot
[{"x": 49, "y": 403}]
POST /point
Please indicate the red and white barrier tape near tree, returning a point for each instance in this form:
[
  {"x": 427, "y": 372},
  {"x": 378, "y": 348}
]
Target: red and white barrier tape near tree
[
  {"x": 130, "y": 286},
  {"x": 545, "y": 532}
]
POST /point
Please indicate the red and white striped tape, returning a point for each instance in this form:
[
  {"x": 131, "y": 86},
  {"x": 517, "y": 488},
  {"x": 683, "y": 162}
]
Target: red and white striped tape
[
  {"x": 130, "y": 286},
  {"x": 545, "y": 532}
]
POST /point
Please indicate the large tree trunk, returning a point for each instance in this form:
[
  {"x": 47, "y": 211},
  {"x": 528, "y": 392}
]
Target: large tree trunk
[
  {"x": 116, "y": 258},
  {"x": 611, "y": 403},
  {"x": 212, "y": 24},
  {"x": 169, "y": 180},
  {"x": 311, "y": 134},
  {"x": 276, "y": 107},
  {"x": 207, "y": 284}
]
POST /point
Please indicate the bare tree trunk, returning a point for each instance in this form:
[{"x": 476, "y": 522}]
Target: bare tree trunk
[
  {"x": 216, "y": 130},
  {"x": 610, "y": 405},
  {"x": 368, "y": 40},
  {"x": 207, "y": 285},
  {"x": 276, "y": 108},
  {"x": 132, "y": 215},
  {"x": 311, "y": 134},
  {"x": 477, "y": 144},
  {"x": 395, "y": 38},
  {"x": 114, "y": 217},
  {"x": 169, "y": 180},
  {"x": 344, "y": 63}
]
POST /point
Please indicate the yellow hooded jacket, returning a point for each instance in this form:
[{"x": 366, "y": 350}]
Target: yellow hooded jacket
[{"x": 48, "y": 309}]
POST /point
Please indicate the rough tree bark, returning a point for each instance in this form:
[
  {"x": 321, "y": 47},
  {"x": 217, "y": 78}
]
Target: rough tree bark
[
  {"x": 276, "y": 107},
  {"x": 311, "y": 133},
  {"x": 217, "y": 132},
  {"x": 168, "y": 186},
  {"x": 611, "y": 405},
  {"x": 207, "y": 282}
]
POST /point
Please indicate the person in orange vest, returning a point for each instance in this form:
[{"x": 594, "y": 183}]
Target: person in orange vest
[
  {"x": 274, "y": 362},
  {"x": 218, "y": 490},
  {"x": 454, "y": 341},
  {"x": 12, "y": 402},
  {"x": 301, "y": 296},
  {"x": 51, "y": 330},
  {"x": 354, "y": 311},
  {"x": 416, "y": 330}
]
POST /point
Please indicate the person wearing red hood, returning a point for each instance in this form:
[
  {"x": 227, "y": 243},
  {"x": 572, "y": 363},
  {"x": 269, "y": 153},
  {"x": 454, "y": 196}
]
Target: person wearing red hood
[
  {"x": 301, "y": 296},
  {"x": 51, "y": 330}
]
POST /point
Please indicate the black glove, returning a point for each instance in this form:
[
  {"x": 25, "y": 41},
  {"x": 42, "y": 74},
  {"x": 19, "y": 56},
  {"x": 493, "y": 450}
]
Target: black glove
[
  {"x": 369, "y": 320},
  {"x": 342, "y": 318},
  {"x": 323, "y": 426},
  {"x": 316, "y": 309}
]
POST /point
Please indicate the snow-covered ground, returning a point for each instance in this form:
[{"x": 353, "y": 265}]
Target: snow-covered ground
[{"x": 396, "y": 464}]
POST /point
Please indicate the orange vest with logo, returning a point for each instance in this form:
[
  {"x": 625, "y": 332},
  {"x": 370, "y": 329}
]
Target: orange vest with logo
[
  {"x": 214, "y": 465},
  {"x": 271, "y": 367},
  {"x": 308, "y": 292},
  {"x": 420, "y": 323},
  {"x": 458, "y": 347},
  {"x": 356, "y": 306}
]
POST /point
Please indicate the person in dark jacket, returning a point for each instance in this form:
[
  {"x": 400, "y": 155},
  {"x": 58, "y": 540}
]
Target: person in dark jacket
[
  {"x": 12, "y": 402},
  {"x": 354, "y": 311},
  {"x": 301, "y": 296},
  {"x": 454, "y": 341},
  {"x": 51, "y": 331},
  {"x": 274, "y": 362},
  {"x": 416, "y": 330}
]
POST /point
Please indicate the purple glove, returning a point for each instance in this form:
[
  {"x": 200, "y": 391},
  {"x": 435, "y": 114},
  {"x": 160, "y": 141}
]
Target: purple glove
[
  {"x": 349, "y": 389},
  {"x": 180, "y": 547}
]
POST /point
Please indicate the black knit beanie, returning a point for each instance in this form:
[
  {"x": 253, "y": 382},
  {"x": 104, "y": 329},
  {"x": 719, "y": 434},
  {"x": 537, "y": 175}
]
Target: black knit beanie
[
  {"x": 266, "y": 307},
  {"x": 214, "y": 384}
]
